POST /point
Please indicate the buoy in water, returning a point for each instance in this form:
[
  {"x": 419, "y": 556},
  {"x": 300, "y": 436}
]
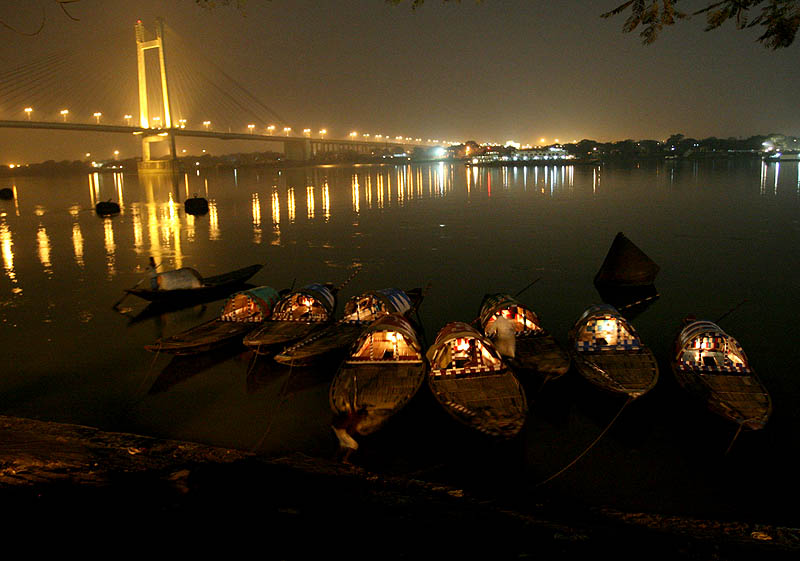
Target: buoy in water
[
  {"x": 196, "y": 205},
  {"x": 106, "y": 208}
]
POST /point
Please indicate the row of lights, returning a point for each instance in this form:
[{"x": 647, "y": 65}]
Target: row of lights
[{"x": 251, "y": 127}]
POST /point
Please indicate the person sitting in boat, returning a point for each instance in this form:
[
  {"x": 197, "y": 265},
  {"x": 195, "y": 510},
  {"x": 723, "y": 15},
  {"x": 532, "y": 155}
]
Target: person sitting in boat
[{"x": 151, "y": 272}]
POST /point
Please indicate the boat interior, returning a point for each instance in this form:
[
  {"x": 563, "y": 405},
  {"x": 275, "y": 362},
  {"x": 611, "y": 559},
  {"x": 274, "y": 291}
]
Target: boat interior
[
  {"x": 464, "y": 353},
  {"x": 300, "y": 307},
  {"x": 710, "y": 351},
  {"x": 365, "y": 308},
  {"x": 607, "y": 332},
  {"x": 385, "y": 346},
  {"x": 524, "y": 320}
]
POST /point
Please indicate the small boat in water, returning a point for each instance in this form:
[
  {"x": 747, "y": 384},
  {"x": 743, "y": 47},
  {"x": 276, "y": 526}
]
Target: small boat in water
[
  {"x": 196, "y": 206},
  {"x": 608, "y": 353},
  {"x": 294, "y": 317},
  {"x": 532, "y": 347},
  {"x": 470, "y": 380},
  {"x": 359, "y": 312},
  {"x": 384, "y": 370},
  {"x": 241, "y": 313},
  {"x": 107, "y": 208},
  {"x": 712, "y": 366},
  {"x": 186, "y": 284}
]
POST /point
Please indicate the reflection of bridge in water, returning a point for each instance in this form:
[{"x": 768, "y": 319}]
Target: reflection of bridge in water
[{"x": 158, "y": 125}]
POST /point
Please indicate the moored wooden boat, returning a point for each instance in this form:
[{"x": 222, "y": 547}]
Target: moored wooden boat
[
  {"x": 713, "y": 367},
  {"x": 470, "y": 380},
  {"x": 533, "y": 349},
  {"x": 359, "y": 312},
  {"x": 384, "y": 370},
  {"x": 241, "y": 313},
  {"x": 607, "y": 352},
  {"x": 186, "y": 284},
  {"x": 107, "y": 208},
  {"x": 294, "y": 317}
]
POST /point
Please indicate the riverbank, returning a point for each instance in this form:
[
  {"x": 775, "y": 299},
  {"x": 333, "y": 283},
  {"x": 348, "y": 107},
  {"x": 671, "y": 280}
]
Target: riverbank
[{"x": 74, "y": 478}]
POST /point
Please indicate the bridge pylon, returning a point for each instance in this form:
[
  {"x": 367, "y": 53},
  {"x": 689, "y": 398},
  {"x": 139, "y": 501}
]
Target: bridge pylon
[{"x": 144, "y": 42}]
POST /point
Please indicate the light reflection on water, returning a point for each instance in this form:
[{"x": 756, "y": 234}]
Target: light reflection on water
[{"x": 722, "y": 232}]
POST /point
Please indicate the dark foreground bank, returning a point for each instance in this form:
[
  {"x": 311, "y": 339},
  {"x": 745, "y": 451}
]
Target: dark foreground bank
[{"x": 132, "y": 492}]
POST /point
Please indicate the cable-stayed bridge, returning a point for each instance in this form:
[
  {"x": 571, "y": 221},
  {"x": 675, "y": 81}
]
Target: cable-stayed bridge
[{"x": 195, "y": 98}]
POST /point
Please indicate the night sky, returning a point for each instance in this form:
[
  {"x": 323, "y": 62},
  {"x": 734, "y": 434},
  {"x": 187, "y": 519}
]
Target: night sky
[{"x": 494, "y": 71}]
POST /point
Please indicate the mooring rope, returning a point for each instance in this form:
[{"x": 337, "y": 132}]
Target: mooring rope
[{"x": 596, "y": 440}]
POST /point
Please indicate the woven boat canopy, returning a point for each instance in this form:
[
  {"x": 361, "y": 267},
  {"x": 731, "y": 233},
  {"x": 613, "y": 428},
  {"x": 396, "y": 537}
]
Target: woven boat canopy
[
  {"x": 313, "y": 302},
  {"x": 460, "y": 347},
  {"x": 390, "y": 338},
  {"x": 495, "y": 305},
  {"x": 254, "y": 305},
  {"x": 372, "y": 304},
  {"x": 703, "y": 345},
  {"x": 182, "y": 278},
  {"x": 602, "y": 328}
]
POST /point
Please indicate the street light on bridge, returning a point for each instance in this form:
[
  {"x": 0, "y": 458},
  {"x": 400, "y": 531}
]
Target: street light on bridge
[
  {"x": 354, "y": 134},
  {"x": 271, "y": 129},
  {"x": 307, "y": 132},
  {"x": 157, "y": 121},
  {"x": 28, "y": 111},
  {"x": 251, "y": 127},
  {"x": 128, "y": 119},
  {"x": 287, "y": 130},
  {"x": 64, "y": 113},
  {"x": 97, "y": 116},
  {"x": 322, "y": 133},
  {"x": 206, "y": 124},
  {"x": 182, "y": 123}
]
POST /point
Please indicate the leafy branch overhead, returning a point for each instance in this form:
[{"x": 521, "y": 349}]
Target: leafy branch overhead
[{"x": 779, "y": 19}]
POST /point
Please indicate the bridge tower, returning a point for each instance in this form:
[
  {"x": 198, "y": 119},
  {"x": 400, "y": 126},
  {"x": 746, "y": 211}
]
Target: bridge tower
[{"x": 145, "y": 42}]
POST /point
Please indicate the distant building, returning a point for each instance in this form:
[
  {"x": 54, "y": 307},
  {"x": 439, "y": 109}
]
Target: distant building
[{"x": 551, "y": 153}]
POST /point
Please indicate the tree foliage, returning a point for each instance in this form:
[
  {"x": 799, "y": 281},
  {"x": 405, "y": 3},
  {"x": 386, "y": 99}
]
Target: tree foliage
[
  {"x": 778, "y": 19},
  {"x": 63, "y": 4}
]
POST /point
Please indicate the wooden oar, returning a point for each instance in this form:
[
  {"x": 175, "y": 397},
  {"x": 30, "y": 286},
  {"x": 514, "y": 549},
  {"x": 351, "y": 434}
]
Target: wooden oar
[
  {"x": 527, "y": 287},
  {"x": 729, "y": 312}
]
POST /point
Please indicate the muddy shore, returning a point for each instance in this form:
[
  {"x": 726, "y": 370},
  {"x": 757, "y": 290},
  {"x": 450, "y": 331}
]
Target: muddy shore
[{"x": 119, "y": 486}]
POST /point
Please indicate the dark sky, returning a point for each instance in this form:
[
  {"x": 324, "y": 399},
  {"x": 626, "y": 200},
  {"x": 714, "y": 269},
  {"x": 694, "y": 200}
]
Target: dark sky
[{"x": 493, "y": 71}]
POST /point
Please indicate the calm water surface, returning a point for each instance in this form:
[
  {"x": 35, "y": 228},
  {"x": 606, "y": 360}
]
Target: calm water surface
[{"x": 723, "y": 232}]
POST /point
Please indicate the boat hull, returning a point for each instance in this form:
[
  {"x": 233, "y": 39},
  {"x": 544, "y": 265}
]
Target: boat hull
[
  {"x": 374, "y": 390},
  {"x": 273, "y": 334},
  {"x": 492, "y": 403},
  {"x": 321, "y": 343},
  {"x": 542, "y": 354},
  {"x": 631, "y": 373},
  {"x": 203, "y": 337},
  {"x": 740, "y": 398}
]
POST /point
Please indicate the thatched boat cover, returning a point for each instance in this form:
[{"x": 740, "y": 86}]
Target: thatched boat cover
[
  {"x": 626, "y": 265},
  {"x": 185, "y": 277},
  {"x": 372, "y": 304},
  {"x": 711, "y": 364},
  {"x": 254, "y": 305},
  {"x": 390, "y": 338},
  {"x": 312, "y": 303},
  {"x": 495, "y": 305},
  {"x": 704, "y": 346},
  {"x": 459, "y": 349},
  {"x": 602, "y": 328}
]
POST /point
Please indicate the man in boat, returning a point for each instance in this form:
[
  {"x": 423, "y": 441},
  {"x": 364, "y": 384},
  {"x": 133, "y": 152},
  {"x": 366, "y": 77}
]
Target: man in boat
[{"x": 151, "y": 272}]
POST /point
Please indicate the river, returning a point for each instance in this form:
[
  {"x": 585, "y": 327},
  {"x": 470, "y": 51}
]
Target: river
[{"x": 726, "y": 234}]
